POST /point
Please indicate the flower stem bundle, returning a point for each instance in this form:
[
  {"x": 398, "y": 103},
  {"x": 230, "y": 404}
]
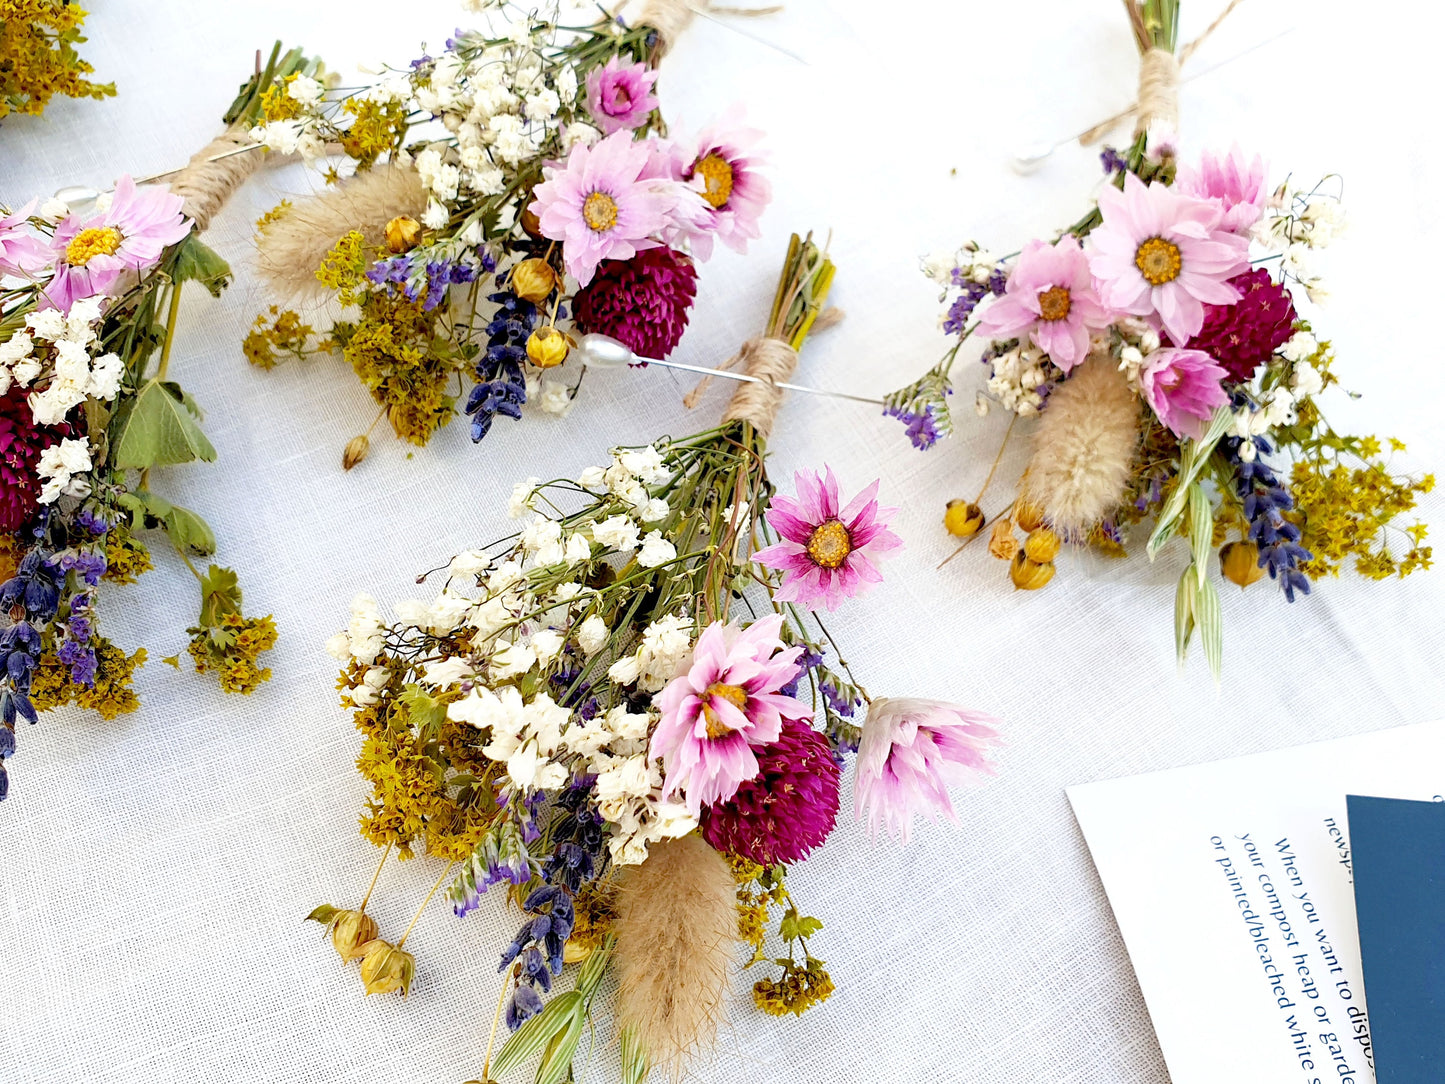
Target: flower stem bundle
[
  {"x": 1173, "y": 381},
  {"x": 90, "y": 415},
  {"x": 494, "y": 201},
  {"x": 626, "y": 716}
]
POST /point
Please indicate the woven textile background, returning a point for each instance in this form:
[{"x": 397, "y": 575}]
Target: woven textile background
[{"x": 154, "y": 870}]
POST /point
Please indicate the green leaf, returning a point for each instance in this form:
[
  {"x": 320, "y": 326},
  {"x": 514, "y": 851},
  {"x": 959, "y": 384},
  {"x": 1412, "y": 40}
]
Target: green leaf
[
  {"x": 1208, "y": 616},
  {"x": 794, "y": 926},
  {"x": 557, "y": 1057},
  {"x": 160, "y": 430},
  {"x": 186, "y": 401},
  {"x": 1184, "y": 612},
  {"x": 425, "y": 711},
  {"x": 1201, "y": 529},
  {"x": 193, "y": 261},
  {"x": 323, "y": 914},
  {"x": 634, "y": 1058},
  {"x": 1193, "y": 455},
  {"x": 537, "y": 1032},
  {"x": 589, "y": 975},
  {"x": 188, "y": 532},
  {"x": 220, "y": 595}
]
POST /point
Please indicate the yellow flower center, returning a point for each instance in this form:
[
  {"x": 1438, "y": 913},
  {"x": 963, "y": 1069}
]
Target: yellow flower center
[
  {"x": 1054, "y": 303},
  {"x": 1158, "y": 261},
  {"x": 88, "y": 244},
  {"x": 599, "y": 211},
  {"x": 735, "y": 695},
  {"x": 830, "y": 544},
  {"x": 717, "y": 179}
]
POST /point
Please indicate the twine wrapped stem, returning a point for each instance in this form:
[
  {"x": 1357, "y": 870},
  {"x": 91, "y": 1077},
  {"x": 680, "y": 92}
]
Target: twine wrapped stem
[
  {"x": 772, "y": 361},
  {"x": 206, "y": 185},
  {"x": 671, "y": 17}
]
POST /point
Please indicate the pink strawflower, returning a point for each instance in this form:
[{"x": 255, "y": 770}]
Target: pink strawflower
[
  {"x": 1238, "y": 185},
  {"x": 722, "y": 170},
  {"x": 726, "y": 704},
  {"x": 21, "y": 253},
  {"x": 911, "y": 750},
  {"x": 789, "y": 808},
  {"x": 600, "y": 205},
  {"x": 1184, "y": 388},
  {"x": 130, "y": 234},
  {"x": 642, "y": 302},
  {"x": 1050, "y": 296},
  {"x": 619, "y": 96},
  {"x": 826, "y": 553},
  {"x": 1163, "y": 254}
]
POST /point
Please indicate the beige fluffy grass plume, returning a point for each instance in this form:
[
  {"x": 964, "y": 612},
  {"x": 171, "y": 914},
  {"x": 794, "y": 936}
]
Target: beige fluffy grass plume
[
  {"x": 291, "y": 248},
  {"x": 677, "y": 934},
  {"x": 1083, "y": 447}
]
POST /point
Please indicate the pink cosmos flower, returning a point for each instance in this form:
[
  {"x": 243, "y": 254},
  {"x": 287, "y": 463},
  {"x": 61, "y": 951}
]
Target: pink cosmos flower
[
  {"x": 1184, "y": 388},
  {"x": 1239, "y": 186},
  {"x": 722, "y": 708},
  {"x": 721, "y": 169},
  {"x": 21, "y": 253},
  {"x": 825, "y": 555},
  {"x": 909, "y": 753},
  {"x": 1162, "y": 254},
  {"x": 1050, "y": 295},
  {"x": 601, "y": 204},
  {"x": 130, "y": 234},
  {"x": 619, "y": 96}
]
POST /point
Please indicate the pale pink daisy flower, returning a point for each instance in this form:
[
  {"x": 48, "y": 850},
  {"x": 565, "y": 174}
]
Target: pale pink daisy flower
[
  {"x": 1162, "y": 254},
  {"x": 1050, "y": 297},
  {"x": 1184, "y": 387},
  {"x": 1237, "y": 184},
  {"x": 724, "y": 172},
  {"x": 601, "y": 204},
  {"x": 724, "y": 706},
  {"x": 129, "y": 235},
  {"x": 619, "y": 96},
  {"x": 910, "y": 751},
  {"x": 826, "y": 553},
  {"x": 21, "y": 253}
]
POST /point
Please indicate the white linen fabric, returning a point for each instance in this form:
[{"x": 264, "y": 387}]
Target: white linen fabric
[{"x": 154, "y": 870}]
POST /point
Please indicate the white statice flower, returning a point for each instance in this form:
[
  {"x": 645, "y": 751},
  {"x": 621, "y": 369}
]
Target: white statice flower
[
  {"x": 529, "y": 765},
  {"x": 369, "y": 691},
  {"x": 17, "y": 347},
  {"x": 469, "y": 564},
  {"x": 339, "y": 647},
  {"x": 436, "y": 216},
  {"x": 939, "y": 266},
  {"x": 53, "y": 210},
  {"x": 616, "y": 533},
  {"x": 438, "y": 176},
  {"x": 593, "y": 478},
  {"x": 578, "y": 549},
  {"x": 501, "y": 712},
  {"x": 447, "y": 672},
  {"x": 556, "y": 398},
  {"x": 540, "y": 532},
  {"x": 61, "y": 467},
  {"x": 305, "y": 90},
  {"x": 656, "y": 551},
  {"x": 1324, "y": 220},
  {"x": 46, "y": 324},
  {"x": 1016, "y": 375},
  {"x": 588, "y": 737},
  {"x": 490, "y": 618},
  {"x": 105, "y": 377},
  {"x": 1306, "y": 381},
  {"x": 1279, "y": 410},
  {"x": 523, "y": 499},
  {"x": 626, "y": 670},
  {"x": 645, "y": 464},
  {"x": 80, "y": 320},
  {"x": 542, "y": 105},
  {"x": 506, "y": 575},
  {"x": 657, "y": 509},
  {"x": 486, "y": 179},
  {"x": 592, "y": 635},
  {"x": 411, "y": 612},
  {"x": 665, "y": 644},
  {"x": 578, "y": 134},
  {"x": 629, "y": 725},
  {"x": 511, "y": 142},
  {"x": 568, "y": 594},
  {"x": 566, "y": 82},
  {"x": 365, "y": 633},
  {"x": 447, "y": 612},
  {"x": 1301, "y": 346},
  {"x": 547, "y": 644},
  {"x": 282, "y": 136},
  {"x": 512, "y": 660}
]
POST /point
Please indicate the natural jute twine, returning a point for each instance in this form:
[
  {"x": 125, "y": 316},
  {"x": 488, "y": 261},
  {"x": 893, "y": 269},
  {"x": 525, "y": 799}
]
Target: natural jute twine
[
  {"x": 770, "y": 360},
  {"x": 207, "y": 185},
  {"x": 671, "y": 17},
  {"x": 1158, "y": 101}
]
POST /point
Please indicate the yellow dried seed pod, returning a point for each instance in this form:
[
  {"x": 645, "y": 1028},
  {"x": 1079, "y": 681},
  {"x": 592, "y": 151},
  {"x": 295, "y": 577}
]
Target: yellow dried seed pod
[
  {"x": 385, "y": 968},
  {"x": 1239, "y": 561},
  {"x": 1029, "y": 575},
  {"x": 533, "y": 280},
  {"x": 356, "y": 449},
  {"x": 962, "y": 519},
  {"x": 547, "y": 347},
  {"x": 402, "y": 233},
  {"x": 350, "y": 931},
  {"x": 1028, "y": 515},
  {"x": 1001, "y": 541},
  {"x": 1042, "y": 545}
]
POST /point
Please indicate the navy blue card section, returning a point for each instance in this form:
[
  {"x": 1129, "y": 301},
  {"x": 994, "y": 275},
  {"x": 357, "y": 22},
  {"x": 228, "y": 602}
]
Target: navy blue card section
[{"x": 1399, "y": 866}]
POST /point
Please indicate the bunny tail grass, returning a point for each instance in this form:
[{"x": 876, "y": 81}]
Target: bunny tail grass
[
  {"x": 677, "y": 932},
  {"x": 291, "y": 246},
  {"x": 1083, "y": 448}
]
